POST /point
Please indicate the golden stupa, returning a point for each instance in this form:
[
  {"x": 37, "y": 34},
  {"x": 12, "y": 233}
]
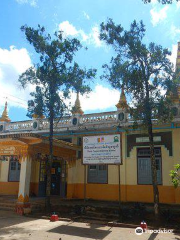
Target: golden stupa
[
  {"x": 122, "y": 104},
  {"x": 5, "y": 117},
  {"x": 77, "y": 106}
]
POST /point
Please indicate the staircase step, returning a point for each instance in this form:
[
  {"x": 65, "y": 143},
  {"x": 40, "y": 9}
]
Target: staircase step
[{"x": 7, "y": 208}]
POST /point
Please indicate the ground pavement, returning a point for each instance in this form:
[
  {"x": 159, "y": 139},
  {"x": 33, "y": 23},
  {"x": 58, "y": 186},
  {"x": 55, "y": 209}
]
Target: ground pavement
[{"x": 14, "y": 227}]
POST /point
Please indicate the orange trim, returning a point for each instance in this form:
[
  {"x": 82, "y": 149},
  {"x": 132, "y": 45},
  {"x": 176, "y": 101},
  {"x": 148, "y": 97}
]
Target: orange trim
[
  {"x": 129, "y": 193},
  {"x": 9, "y": 188}
]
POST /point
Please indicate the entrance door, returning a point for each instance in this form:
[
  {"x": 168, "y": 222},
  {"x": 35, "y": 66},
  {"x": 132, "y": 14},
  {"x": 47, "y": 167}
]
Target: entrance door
[
  {"x": 42, "y": 179},
  {"x": 14, "y": 170},
  {"x": 55, "y": 178},
  {"x": 144, "y": 166}
]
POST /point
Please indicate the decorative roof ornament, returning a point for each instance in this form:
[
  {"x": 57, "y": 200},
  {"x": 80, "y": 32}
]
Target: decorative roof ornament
[
  {"x": 178, "y": 56},
  {"x": 36, "y": 116},
  {"x": 5, "y": 117},
  {"x": 122, "y": 104},
  {"x": 175, "y": 96},
  {"x": 77, "y": 106}
]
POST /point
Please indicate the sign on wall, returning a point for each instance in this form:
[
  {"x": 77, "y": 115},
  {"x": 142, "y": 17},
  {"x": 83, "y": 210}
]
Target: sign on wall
[
  {"x": 102, "y": 149},
  {"x": 7, "y": 150}
]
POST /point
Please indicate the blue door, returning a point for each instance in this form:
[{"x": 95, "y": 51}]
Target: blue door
[
  {"x": 144, "y": 166},
  {"x": 14, "y": 170}
]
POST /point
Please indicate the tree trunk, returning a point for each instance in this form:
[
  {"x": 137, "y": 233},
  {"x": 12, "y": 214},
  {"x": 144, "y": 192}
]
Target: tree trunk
[
  {"x": 49, "y": 163},
  {"x": 154, "y": 172},
  {"x": 148, "y": 111}
]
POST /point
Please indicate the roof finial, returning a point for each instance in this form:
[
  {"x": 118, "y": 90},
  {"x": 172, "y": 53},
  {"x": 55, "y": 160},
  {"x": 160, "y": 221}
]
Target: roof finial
[
  {"x": 178, "y": 56},
  {"x": 77, "y": 106},
  {"x": 175, "y": 95},
  {"x": 5, "y": 117},
  {"x": 122, "y": 104}
]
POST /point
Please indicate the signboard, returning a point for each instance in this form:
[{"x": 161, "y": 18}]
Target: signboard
[
  {"x": 7, "y": 150},
  {"x": 102, "y": 149}
]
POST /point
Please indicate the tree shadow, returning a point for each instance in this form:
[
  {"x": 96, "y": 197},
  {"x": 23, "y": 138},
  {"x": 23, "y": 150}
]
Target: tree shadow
[
  {"x": 84, "y": 232},
  {"x": 152, "y": 236},
  {"x": 8, "y": 219}
]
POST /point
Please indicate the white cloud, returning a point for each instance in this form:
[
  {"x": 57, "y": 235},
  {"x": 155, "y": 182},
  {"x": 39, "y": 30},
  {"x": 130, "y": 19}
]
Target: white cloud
[
  {"x": 174, "y": 31},
  {"x": 32, "y": 3},
  {"x": 178, "y": 5},
  {"x": 94, "y": 37},
  {"x": 86, "y": 15},
  {"x": 158, "y": 15},
  {"x": 13, "y": 62},
  {"x": 68, "y": 29},
  {"x": 97, "y": 99},
  {"x": 91, "y": 38}
]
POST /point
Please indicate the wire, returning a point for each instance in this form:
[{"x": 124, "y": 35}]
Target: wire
[
  {"x": 22, "y": 104},
  {"x": 14, "y": 96}
]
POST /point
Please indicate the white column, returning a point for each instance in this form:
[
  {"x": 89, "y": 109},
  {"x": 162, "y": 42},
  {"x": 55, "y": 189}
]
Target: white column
[{"x": 24, "y": 184}]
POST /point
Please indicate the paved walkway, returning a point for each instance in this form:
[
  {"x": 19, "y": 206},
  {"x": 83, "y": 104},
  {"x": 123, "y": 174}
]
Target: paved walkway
[{"x": 14, "y": 227}]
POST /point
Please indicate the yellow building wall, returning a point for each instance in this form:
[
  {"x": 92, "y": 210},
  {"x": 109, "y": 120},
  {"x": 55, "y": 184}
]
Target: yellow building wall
[
  {"x": 12, "y": 188},
  {"x": 4, "y": 170},
  {"x": 6, "y": 187},
  {"x": 129, "y": 189},
  {"x": 34, "y": 186}
]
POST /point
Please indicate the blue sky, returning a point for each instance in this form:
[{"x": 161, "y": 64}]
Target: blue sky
[{"x": 81, "y": 19}]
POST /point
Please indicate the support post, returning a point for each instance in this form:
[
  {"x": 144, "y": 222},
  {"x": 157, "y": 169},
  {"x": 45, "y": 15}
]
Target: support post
[
  {"x": 119, "y": 188},
  {"x": 84, "y": 183},
  {"x": 119, "y": 181},
  {"x": 23, "y": 204}
]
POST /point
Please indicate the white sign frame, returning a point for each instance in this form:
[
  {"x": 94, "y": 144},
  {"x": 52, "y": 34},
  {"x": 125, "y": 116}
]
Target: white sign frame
[{"x": 102, "y": 149}]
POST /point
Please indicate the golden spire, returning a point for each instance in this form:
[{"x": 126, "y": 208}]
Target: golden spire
[
  {"x": 77, "y": 106},
  {"x": 175, "y": 96},
  {"x": 178, "y": 66},
  {"x": 4, "y": 117},
  {"x": 178, "y": 56},
  {"x": 122, "y": 101}
]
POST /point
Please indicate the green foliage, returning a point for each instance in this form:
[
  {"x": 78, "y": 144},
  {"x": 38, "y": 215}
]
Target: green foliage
[
  {"x": 55, "y": 75},
  {"x": 175, "y": 175},
  {"x": 145, "y": 72},
  {"x": 53, "y": 78}
]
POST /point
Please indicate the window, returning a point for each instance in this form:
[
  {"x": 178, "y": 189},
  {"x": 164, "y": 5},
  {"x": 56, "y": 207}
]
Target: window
[
  {"x": 144, "y": 166},
  {"x": 98, "y": 174},
  {"x": 13, "y": 166},
  {"x": 19, "y": 166},
  {"x": 79, "y": 155},
  {"x": 92, "y": 167},
  {"x": 79, "y": 141}
]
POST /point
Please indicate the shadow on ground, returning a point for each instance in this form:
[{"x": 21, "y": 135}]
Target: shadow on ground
[
  {"x": 8, "y": 219},
  {"x": 83, "y": 232}
]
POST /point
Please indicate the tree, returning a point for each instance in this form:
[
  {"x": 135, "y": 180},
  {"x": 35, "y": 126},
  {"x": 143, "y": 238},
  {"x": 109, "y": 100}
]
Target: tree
[
  {"x": 146, "y": 73},
  {"x": 53, "y": 77},
  {"x": 161, "y": 1},
  {"x": 175, "y": 175}
]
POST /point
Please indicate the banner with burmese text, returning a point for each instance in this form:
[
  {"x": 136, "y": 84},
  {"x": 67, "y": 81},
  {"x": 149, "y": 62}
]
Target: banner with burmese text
[{"x": 104, "y": 149}]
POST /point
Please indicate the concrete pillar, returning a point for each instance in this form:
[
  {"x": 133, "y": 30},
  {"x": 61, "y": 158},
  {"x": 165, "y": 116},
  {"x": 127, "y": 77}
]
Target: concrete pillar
[{"x": 23, "y": 204}]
